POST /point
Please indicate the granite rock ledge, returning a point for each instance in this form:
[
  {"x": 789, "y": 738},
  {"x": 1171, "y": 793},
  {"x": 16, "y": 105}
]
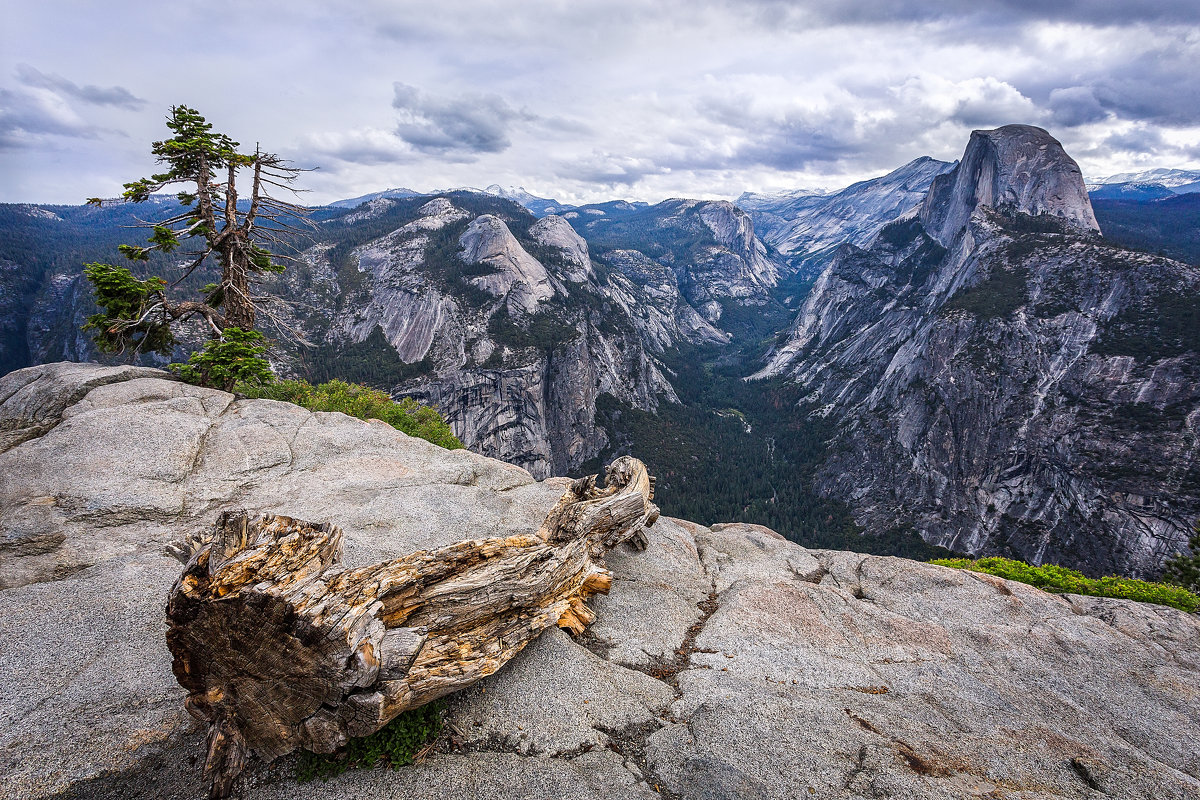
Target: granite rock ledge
[{"x": 803, "y": 673}]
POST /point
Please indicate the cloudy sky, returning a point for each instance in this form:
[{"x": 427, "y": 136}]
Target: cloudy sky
[{"x": 582, "y": 100}]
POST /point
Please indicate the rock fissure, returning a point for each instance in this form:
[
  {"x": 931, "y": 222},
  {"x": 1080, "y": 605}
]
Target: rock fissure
[
  {"x": 630, "y": 744},
  {"x": 1085, "y": 772},
  {"x": 668, "y": 670},
  {"x": 857, "y": 769}
]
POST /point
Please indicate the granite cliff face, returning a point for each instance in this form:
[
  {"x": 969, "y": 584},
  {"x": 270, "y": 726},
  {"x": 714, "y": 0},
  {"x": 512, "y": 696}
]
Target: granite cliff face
[
  {"x": 725, "y": 662},
  {"x": 1005, "y": 381},
  {"x": 511, "y": 326},
  {"x": 1017, "y": 167},
  {"x": 709, "y": 247},
  {"x": 808, "y": 229},
  {"x": 513, "y": 349}
]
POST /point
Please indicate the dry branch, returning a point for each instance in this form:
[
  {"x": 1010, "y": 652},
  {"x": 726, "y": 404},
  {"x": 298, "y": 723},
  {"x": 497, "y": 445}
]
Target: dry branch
[{"x": 280, "y": 648}]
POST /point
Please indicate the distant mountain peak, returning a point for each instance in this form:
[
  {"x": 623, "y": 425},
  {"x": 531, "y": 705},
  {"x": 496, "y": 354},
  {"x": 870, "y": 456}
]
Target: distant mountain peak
[
  {"x": 1170, "y": 178},
  {"x": 539, "y": 206},
  {"x": 355, "y": 202},
  {"x": 1020, "y": 167},
  {"x": 808, "y": 227}
]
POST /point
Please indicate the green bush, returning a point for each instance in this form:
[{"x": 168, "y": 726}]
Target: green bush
[
  {"x": 1053, "y": 578},
  {"x": 235, "y": 358},
  {"x": 406, "y": 414},
  {"x": 127, "y": 318},
  {"x": 395, "y": 744}
]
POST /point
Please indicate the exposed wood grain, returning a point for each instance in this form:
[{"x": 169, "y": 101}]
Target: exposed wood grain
[{"x": 279, "y": 647}]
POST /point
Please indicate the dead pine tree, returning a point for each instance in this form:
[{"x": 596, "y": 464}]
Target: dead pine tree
[
  {"x": 280, "y": 648},
  {"x": 245, "y": 237}
]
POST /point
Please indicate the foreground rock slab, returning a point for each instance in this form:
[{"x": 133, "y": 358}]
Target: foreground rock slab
[{"x": 724, "y": 663}]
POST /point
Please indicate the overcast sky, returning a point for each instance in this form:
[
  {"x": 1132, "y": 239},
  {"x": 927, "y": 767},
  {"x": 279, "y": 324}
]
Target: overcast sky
[{"x": 581, "y": 100}]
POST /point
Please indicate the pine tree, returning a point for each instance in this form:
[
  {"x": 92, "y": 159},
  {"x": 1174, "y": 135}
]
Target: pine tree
[{"x": 244, "y": 236}]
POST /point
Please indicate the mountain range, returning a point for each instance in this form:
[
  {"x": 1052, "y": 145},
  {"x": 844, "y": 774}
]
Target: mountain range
[
  {"x": 1179, "y": 181},
  {"x": 951, "y": 351},
  {"x": 1004, "y": 378}
]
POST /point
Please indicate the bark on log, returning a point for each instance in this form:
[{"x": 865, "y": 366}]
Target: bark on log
[{"x": 280, "y": 648}]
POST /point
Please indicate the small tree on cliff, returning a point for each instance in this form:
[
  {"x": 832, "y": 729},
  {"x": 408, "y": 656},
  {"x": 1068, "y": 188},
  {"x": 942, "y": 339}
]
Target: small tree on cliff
[{"x": 243, "y": 235}]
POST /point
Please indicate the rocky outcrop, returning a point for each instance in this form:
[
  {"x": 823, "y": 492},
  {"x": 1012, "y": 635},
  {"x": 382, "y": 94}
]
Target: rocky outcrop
[
  {"x": 516, "y": 348},
  {"x": 401, "y": 299},
  {"x": 511, "y": 350},
  {"x": 649, "y": 292},
  {"x": 752, "y": 273},
  {"x": 1027, "y": 390},
  {"x": 724, "y": 663},
  {"x": 555, "y": 232},
  {"x": 732, "y": 267},
  {"x": 518, "y": 276},
  {"x": 808, "y": 228}
]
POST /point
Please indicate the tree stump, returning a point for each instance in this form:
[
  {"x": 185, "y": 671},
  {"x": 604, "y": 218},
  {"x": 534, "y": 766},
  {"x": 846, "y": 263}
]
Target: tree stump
[{"x": 280, "y": 648}]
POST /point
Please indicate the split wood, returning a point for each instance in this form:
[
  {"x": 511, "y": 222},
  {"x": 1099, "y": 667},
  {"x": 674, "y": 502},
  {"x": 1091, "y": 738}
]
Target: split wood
[{"x": 280, "y": 648}]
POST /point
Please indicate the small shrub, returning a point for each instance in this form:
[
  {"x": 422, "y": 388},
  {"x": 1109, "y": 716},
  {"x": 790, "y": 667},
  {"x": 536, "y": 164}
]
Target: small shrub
[
  {"x": 395, "y": 745},
  {"x": 406, "y": 414},
  {"x": 1053, "y": 578},
  {"x": 235, "y": 358}
]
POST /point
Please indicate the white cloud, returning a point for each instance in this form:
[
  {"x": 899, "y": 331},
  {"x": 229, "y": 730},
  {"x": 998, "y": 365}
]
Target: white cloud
[{"x": 586, "y": 100}]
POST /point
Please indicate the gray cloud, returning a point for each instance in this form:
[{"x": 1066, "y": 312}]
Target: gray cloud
[
  {"x": 367, "y": 146},
  {"x": 1157, "y": 94},
  {"x": 973, "y": 12},
  {"x": 1139, "y": 140},
  {"x": 1145, "y": 76},
  {"x": 466, "y": 124},
  {"x": 117, "y": 96},
  {"x": 863, "y": 131},
  {"x": 1075, "y": 105},
  {"x": 25, "y": 118},
  {"x": 609, "y": 170}
]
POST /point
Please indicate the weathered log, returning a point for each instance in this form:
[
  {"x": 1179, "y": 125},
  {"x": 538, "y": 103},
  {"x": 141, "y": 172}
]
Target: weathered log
[{"x": 281, "y": 648}]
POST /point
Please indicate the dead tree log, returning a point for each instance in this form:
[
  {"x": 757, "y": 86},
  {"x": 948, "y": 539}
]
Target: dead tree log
[{"x": 281, "y": 648}]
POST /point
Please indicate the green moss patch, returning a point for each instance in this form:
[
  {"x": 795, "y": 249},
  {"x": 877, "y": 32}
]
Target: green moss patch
[{"x": 396, "y": 744}]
